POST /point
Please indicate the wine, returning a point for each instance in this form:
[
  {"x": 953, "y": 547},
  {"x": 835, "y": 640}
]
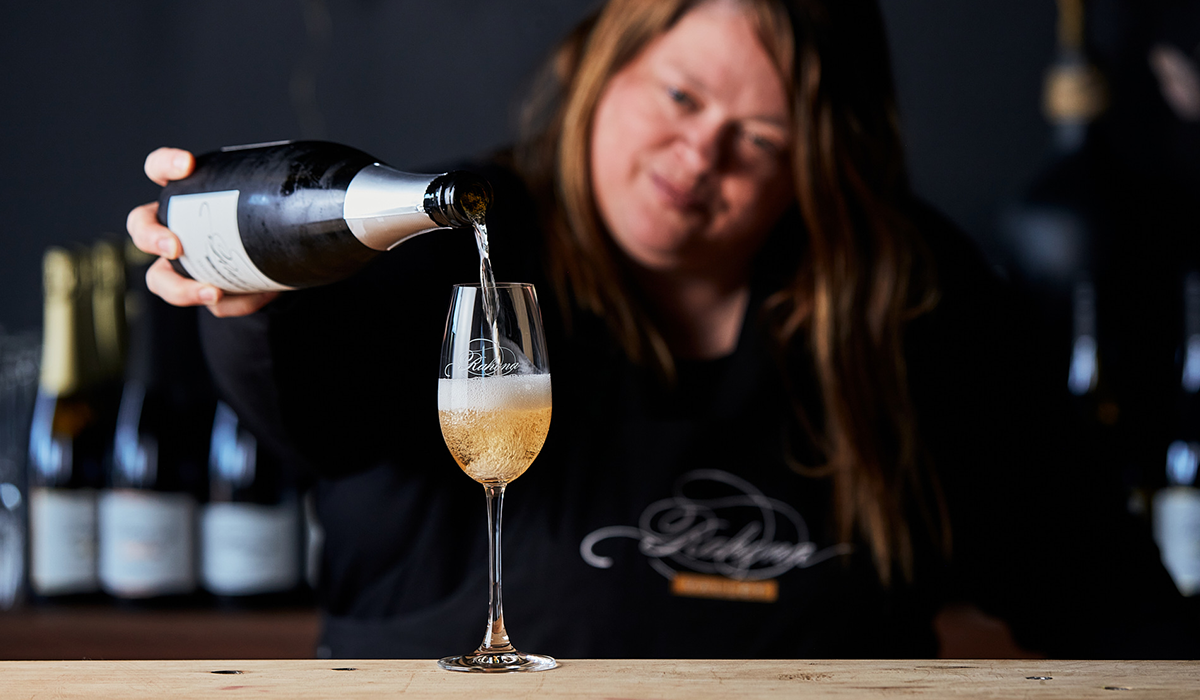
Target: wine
[
  {"x": 299, "y": 214},
  {"x": 147, "y": 515},
  {"x": 495, "y": 426},
  {"x": 250, "y": 536},
  {"x": 65, "y": 443}
]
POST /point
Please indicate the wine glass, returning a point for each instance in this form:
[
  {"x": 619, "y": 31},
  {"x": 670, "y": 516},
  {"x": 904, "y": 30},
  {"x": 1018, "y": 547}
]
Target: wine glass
[{"x": 494, "y": 407}]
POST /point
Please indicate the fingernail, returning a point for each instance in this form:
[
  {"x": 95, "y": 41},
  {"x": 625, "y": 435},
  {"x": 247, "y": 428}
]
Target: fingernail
[
  {"x": 180, "y": 162},
  {"x": 166, "y": 247},
  {"x": 208, "y": 295}
]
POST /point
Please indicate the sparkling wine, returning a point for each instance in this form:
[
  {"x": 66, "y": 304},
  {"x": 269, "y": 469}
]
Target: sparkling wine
[
  {"x": 298, "y": 214},
  {"x": 495, "y": 426},
  {"x": 66, "y": 442}
]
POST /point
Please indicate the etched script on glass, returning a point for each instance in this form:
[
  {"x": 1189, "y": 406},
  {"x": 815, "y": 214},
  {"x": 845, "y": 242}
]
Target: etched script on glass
[
  {"x": 691, "y": 534},
  {"x": 488, "y": 358}
]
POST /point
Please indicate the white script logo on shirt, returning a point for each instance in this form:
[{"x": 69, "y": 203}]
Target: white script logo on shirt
[{"x": 691, "y": 534}]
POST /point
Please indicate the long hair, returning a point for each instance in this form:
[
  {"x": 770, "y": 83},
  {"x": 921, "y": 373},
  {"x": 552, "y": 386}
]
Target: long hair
[{"x": 861, "y": 275}]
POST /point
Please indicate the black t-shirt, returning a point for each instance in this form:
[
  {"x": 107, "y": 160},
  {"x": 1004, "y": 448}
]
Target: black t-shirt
[{"x": 665, "y": 520}]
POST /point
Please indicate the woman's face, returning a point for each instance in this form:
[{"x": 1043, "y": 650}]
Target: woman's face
[{"x": 690, "y": 142}]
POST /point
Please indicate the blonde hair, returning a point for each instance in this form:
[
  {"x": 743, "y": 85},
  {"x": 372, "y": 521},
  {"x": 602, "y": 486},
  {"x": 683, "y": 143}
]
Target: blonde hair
[{"x": 862, "y": 274}]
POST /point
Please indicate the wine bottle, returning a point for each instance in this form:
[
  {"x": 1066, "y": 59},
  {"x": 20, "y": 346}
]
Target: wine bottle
[
  {"x": 1050, "y": 234},
  {"x": 298, "y": 214},
  {"x": 109, "y": 325},
  {"x": 1177, "y": 507},
  {"x": 65, "y": 442},
  {"x": 147, "y": 513},
  {"x": 250, "y": 529},
  {"x": 1057, "y": 238},
  {"x": 108, "y": 338}
]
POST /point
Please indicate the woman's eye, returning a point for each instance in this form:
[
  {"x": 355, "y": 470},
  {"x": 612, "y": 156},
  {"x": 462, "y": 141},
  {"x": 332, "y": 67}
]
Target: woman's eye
[
  {"x": 764, "y": 144},
  {"x": 680, "y": 97}
]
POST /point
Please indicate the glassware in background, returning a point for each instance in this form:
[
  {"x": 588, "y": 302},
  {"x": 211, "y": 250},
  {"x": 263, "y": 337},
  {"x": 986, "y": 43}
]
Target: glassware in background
[
  {"x": 18, "y": 388},
  {"x": 494, "y": 406}
]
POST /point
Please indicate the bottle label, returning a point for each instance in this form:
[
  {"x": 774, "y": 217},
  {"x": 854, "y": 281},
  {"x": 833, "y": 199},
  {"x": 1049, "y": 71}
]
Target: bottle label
[
  {"x": 147, "y": 543},
  {"x": 62, "y": 541},
  {"x": 1177, "y": 531},
  {"x": 248, "y": 548},
  {"x": 207, "y": 225}
]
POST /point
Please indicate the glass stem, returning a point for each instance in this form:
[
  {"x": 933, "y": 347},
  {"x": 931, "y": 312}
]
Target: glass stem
[{"x": 495, "y": 640}]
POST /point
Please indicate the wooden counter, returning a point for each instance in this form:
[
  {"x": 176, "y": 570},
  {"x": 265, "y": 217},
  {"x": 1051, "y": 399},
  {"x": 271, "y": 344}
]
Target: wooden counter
[
  {"x": 686, "y": 680},
  {"x": 105, "y": 632}
]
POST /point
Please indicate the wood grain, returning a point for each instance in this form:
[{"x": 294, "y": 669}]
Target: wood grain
[{"x": 592, "y": 679}]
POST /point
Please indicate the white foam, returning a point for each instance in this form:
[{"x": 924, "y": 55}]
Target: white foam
[{"x": 523, "y": 391}]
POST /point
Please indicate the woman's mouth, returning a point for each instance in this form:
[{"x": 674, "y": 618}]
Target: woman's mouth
[{"x": 682, "y": 198}]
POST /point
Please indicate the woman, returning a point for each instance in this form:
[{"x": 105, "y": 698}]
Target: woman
[{"x": 750, "y": 319}]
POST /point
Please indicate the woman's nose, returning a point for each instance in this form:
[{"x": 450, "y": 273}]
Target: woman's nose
[{"x": 703, "y": 144}]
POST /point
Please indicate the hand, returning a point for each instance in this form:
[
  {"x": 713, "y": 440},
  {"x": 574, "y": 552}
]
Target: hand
[{"x": 162, "y": 166}]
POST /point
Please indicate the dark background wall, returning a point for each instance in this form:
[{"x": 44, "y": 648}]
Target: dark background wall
[{"x": 87, "y": 89}]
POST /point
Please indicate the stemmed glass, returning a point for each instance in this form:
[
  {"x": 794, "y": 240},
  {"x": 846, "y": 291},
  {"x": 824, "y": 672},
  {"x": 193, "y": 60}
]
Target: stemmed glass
[{"x": 494, "y": 407}]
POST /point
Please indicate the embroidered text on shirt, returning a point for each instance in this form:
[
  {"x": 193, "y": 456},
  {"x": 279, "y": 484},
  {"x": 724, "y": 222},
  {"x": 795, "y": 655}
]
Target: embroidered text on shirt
[{"x": 690, "y": 534}]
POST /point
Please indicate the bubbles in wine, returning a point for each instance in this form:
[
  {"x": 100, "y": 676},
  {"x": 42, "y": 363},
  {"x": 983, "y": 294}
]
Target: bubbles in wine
[{"x": 495, "y": 426}]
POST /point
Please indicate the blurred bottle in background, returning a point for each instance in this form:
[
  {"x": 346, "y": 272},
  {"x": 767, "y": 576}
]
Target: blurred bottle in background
[
  {"x": 110, "y": 333},
  {"x": 251, "y": 528},
  {"x": 1177, "y": 505},
  {"x": 158, "y": 474},
  {"x": 1052, "y": 238},
  {"x": 18, "y": 388},
  {"x": 1100, "y": 239},
  {"x": 66, "y": 441}
]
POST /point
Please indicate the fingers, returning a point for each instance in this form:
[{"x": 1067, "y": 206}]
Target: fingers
[
  {"x": 175, "y": 289},
  {"x": 162, "y": 166},
  {"x": 162, "y": 280},
  {"x": 149, "y": 235},
  {"x": 241, "y": 304},
  {"x": 166, "y": 164}
]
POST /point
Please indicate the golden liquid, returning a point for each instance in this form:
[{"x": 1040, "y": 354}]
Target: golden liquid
[{"x": 495, "y": 446}]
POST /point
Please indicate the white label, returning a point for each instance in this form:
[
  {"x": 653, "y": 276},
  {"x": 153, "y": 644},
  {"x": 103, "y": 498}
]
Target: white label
[
  {"x": 207, "y": 225},
  {"x": 147, "y": 543},
  {"x": 62, "y": 541},
  {"x": 248, "y": 549},
  {"x": 1177, "y": 531}
]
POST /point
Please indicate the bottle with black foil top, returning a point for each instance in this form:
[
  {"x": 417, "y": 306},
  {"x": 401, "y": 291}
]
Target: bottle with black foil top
[
  {"x": 251, "y": 529},
  {"x": 147, "y": 514},
  {"x": 66, "y": 441},
  {"x": 1177, "y": 506},
  {"x": 297, "y": 214}
]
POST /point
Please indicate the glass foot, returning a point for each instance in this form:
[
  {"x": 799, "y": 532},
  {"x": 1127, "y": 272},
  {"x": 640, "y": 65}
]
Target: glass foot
[{"x": 498, "y": 663}]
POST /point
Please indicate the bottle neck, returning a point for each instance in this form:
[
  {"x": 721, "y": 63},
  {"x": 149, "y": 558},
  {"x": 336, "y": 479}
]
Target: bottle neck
[
  {"x": 1074, "y": 93},
  {"x": 1084, "y": 370},
  {"x": 1190, "y": 379},
  {"x": 108, "y": 310},
  {"x": 384, "y": 207},
  {"x": 60, "y": 346}
]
